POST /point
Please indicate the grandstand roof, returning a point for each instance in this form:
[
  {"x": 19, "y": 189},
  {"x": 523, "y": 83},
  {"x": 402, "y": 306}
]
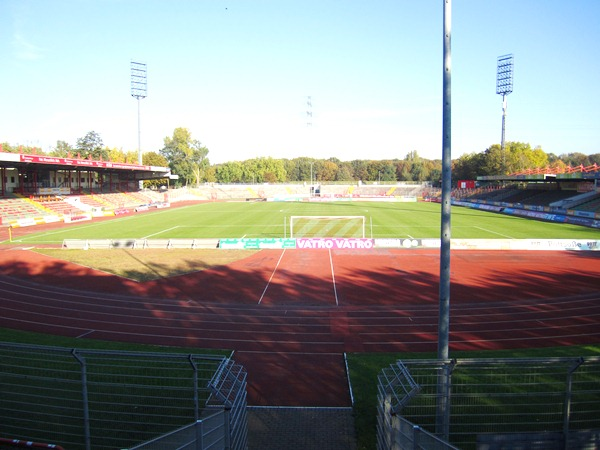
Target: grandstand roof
[
  {"x": 37, "y": 162},
  {"x": 568, "y": 173}
]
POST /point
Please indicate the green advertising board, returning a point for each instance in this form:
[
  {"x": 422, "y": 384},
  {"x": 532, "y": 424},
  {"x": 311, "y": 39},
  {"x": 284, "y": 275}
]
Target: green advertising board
[{"x": 257, "y": 243}]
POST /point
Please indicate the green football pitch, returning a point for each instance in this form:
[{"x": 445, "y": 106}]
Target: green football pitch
[{"x": 272, "y": 219}]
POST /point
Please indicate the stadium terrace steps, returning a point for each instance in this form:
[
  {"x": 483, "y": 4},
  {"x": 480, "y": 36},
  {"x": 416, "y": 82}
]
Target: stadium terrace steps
[{"x": 19, "y": 208}]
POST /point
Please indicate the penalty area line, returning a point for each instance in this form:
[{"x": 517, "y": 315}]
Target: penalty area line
[
  {"x": 161, "y": 232},
  {"x": 494, "y": 232}
]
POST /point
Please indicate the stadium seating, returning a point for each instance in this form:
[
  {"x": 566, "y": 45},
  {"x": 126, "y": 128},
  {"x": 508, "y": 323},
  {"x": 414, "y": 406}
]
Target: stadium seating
[
  {"x": 53, "y": 205},
  {"x": 591, "y": 205},
  {"x": 19, "y": 208}
]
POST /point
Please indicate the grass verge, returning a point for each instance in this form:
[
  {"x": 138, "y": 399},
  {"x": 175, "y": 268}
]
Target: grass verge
[{"x": 148, "y": 264}]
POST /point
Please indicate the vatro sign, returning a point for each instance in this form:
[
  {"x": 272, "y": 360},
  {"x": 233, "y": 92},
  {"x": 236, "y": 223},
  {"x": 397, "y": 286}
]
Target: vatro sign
[{"x": 352, "y": 243}]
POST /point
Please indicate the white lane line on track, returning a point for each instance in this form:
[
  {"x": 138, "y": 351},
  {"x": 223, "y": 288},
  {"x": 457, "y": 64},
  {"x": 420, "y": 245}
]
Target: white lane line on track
[
  {"x": 333, "y": 279},
  {"x": 85, "y": 334},
  {"x": 271, "y": 278}
]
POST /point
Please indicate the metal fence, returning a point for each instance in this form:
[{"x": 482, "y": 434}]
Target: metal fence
[
  {"x": 83, "y": 399},
  {"x": 550, "y": 403}
]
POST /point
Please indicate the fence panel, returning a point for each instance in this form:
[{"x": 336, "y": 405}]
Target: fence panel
[
  {"x": 206, "y": 434},
  {"x": 82, "y": 399},
  {"x": 520, "y": 400}
]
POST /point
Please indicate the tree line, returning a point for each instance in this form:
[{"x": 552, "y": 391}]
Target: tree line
[{"x": 188, "y": 158}]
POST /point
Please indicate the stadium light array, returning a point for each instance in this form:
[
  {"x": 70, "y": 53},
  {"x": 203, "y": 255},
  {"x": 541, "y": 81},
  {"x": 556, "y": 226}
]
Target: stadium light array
[
  {"x": 504, "y": 86},
  {"x": 139, "y": 90}
]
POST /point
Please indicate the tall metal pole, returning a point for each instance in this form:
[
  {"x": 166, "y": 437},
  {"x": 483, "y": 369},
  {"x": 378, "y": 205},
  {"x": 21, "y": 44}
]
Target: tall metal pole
[
  {"x": 444, "y": 292},
  {"x": 309, "y": 124},
  {"x": 139, "y": 133},
  {"x": 502, "y": 142},
  {"x": 311, "y": 178},
  {"x": 442, "y": 415}
]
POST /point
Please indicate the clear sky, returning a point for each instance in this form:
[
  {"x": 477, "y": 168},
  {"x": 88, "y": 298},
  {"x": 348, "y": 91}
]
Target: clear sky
[{"x": 238, "y": 74}]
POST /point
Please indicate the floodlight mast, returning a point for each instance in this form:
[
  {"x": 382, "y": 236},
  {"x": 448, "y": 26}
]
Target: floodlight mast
[
  {"x": 139, "y": 90},
  {"x": 504, "y": 86}
]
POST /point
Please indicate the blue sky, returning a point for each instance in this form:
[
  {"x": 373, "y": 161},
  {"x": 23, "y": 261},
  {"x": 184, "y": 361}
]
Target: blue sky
[{"x": 238, "y": 74}]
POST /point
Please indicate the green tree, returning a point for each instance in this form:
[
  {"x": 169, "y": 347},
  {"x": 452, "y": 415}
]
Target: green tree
[
  {"x": 494, "y": 161},
  {"x": 187, "y": 157},
  {"x": 520, "y": 156},
  {"x": 594, "y": 158},
  {"x": 344, "y": 172},
  {"x": 91, "y": 146},
  {"x": 300, "y": 170},
  {"x": 412, "y": 156},
  {"x": 154, "y": 159},
  {"x": 229, "y": 172},
  {"x": 260, "y": 170},
  {"x": 327, "y": 170},
  {"x": 133, "y": 157},
  {"x": 373, "y": 170},
  {"x": 435, "y": 176},
  {"x": 539, "y": 158},
  {"x": 388, "y": 172},
  {"x": 7, "y": 148},
  {"x": 291, "y": 170},
  {"x": 360, "y": 169},
  {"x": 467, "y": 167},
  {"x": 210, "y": 175},
  {"x": 575, "y": 159},
  {"x": 62, "y": 149},
  {"x": 403, "y": 172},
  {"x": 116, "y": 155},
  {"x": 419, "y": 171}
]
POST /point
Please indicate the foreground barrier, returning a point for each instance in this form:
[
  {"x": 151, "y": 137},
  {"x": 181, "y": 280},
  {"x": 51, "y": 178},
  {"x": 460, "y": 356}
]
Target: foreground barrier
[
  {"x": 90, "y": 244},
  {"x": 16, "y": 443},
  {"x": 87, "y": 399},
  {"x": 492, "y": 403},
  {"x": 334, "y": 243}
]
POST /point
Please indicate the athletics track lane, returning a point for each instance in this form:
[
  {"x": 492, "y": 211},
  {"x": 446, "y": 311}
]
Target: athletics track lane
[{"x": 293, "y": 349}]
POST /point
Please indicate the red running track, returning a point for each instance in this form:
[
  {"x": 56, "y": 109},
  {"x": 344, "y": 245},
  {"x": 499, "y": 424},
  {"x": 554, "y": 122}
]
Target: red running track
[{"x": 291, "y": 314}]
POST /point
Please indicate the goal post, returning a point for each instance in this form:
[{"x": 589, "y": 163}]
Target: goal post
[{"x": 327, "y": 226}]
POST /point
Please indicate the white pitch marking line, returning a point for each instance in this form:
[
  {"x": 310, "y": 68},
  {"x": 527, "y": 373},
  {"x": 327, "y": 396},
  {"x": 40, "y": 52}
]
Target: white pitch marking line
[
  {"x": 493, "y": 232},
  {"x": 271, "y": 278},
  {"x": 160, "y": 232},
  {"x": 333, "y": 279}
]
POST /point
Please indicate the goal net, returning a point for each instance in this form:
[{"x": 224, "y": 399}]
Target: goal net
[{"x": 327, "y": 226}]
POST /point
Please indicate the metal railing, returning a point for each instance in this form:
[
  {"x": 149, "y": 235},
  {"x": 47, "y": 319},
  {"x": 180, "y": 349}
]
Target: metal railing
[
  {"x": 208, "y": 433},
  {"x": 522, "y": 400},
  {"x": 84, "y": 399}
]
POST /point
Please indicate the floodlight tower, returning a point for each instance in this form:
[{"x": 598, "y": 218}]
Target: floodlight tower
[
  {"x": 138, "y": 91},
  {"x": 504, "y": 86},
  {"x": 308, "y": 125}
]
